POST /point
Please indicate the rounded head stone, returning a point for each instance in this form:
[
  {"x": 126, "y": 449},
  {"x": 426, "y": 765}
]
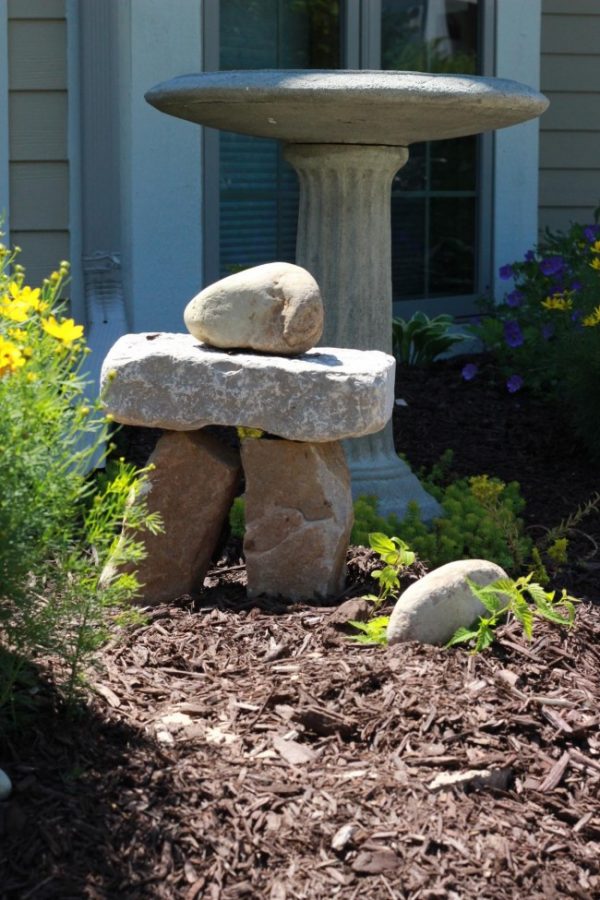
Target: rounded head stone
[
  {"x": 275, "y": 308},
  {"x": 433, "y": 608},
  {"x": 347, "y": 107}
]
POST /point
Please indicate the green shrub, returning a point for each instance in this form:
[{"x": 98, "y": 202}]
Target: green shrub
[
  {"x": 481, "y": 521},
  {"x": 58, "y": 524}
]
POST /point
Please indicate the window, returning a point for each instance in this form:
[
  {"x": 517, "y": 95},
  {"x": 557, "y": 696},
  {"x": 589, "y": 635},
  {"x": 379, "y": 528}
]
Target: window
[{"x": 437, "y": 220}]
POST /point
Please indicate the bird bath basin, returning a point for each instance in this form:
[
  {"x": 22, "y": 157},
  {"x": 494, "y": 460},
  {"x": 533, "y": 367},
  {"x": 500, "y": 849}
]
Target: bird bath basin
[{"x": 346, "y": 133}]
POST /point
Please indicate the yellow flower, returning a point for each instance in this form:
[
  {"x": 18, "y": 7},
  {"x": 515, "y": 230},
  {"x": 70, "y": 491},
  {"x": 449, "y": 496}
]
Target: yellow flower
[
  {"x": 17, "y": 334},
  {"x": 558, "y": 301},
  {"x": 595, "y": 263},
  {"x": 65, "y": 331},
  {"x": 595, "y": 247},
  {"x": 11, "y": 357},
  {"x": 593, "y": 318},
  {"x": 20, "y": 302}
]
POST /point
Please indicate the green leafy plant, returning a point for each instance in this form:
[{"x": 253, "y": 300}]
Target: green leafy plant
[
  {"x": 372, "y": 632},
  {"x": 523, "y": 599},
  {"x": 397, "y": 557},
  {"x": 420, "y": 340},
  {"x": 58, "y": 524}
]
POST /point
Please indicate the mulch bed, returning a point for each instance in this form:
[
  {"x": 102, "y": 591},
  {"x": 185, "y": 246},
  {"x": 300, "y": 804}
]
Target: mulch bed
[{"x": 246, "y": 749}]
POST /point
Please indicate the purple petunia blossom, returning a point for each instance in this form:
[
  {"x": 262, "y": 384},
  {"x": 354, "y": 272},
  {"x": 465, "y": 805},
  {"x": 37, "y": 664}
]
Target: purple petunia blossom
[
  {"x": 590, "y": 233},
  {"x": 469, "y": 371},
  {"x": 547, "y": 332},
  {"x": 552, "y": 265},
  {"x": 506, "y": 272},
  {"x": 513, "y": 334},
  {"x": 529, "y": 256},
  {"x": 515, "y": 298},
  {"x": 514, "y": 384}
]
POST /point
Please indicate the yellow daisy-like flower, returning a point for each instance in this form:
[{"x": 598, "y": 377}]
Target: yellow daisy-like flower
[
  {"x": 66, "y": 331},
  {"x": 19, "y": 302},
  {"x": 592, "y": 319},
  {"x": 11, "y": 357},
  {"x": 595, "y": 247},
  {"x": 595, "y": 263},
  {"x": 558, "y": 301}
]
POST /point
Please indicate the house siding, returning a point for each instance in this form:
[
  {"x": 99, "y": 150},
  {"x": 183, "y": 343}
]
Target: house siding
[
  {"x": 570, "y": 130},
  {"x": 38, "y": 133}
]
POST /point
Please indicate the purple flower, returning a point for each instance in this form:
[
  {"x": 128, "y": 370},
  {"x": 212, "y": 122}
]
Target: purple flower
[
  {"x": 552, "y": 265},
  {"x": 505, "y": 272},
  {"x": 514, "y": 384},
  {"x": 576, "y": 285},
  {"x": 576, "y": 315},
  {"x": 529, "y": 256},
  {"x": 513, "y": 334},
  {"x": 547, "y": 332},
  {"x": 515, "y": 298},
  {"x": 590, "y": 233},
  {"x": 469, "y": 371}
]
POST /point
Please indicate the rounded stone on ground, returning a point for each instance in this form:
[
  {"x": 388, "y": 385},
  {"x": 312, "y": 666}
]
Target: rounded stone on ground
[
  {"x": 433, "y": 608},
  {"x": 273, "y": 308}
]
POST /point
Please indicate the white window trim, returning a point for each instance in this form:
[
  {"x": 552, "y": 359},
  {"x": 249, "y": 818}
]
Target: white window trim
[{"x": 516, "y": 149}]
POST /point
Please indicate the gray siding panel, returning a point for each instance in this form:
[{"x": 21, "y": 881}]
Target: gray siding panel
[
  {"x": 571, "y": 33},
  {"x": 568, "y": 72},
  {"x": 38, "y": 133},
  {"x": 37, "y": 55},
  {"x": 36, "y": 9},
  {"x": 42, "y": 252},
  {"x": 38, "y": 125},
  {"x": 39, "y": 195},
  {"x": 569, "y": 150},
  {"x": 570, "y": 130},
  {"x": 569, "y": 111}
]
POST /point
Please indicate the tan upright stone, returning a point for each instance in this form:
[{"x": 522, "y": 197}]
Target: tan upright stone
[
  {"x": 298, "y": 518},
  {"x": 192, "y": 487}
]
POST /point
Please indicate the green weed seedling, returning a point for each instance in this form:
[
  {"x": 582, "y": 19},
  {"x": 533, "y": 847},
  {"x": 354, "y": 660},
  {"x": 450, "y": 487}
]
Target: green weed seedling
[
  {"x": 397, "y": 556},
  {"x": 372, "y": 632},
  {"x": 524, "y": 599}
]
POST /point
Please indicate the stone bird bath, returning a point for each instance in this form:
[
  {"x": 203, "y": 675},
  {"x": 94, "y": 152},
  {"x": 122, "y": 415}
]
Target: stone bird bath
[{"x": 346, "y": 133}]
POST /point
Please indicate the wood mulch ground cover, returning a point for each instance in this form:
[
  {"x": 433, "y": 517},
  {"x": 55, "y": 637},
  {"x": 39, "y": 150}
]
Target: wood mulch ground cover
[{"x": 237, "y": 749}]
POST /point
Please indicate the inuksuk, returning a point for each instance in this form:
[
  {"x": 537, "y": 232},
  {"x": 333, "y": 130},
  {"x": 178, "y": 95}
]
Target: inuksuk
[{"x": 249, "y": 360}]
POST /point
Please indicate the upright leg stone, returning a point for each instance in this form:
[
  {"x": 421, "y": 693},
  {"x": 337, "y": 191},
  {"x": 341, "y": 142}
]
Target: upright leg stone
[
  {"x": 192, "y": 486},
  {"x": 298, "y": 518}
]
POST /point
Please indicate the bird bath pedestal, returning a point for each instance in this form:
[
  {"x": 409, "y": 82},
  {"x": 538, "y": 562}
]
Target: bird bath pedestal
[{"x": 346, "y": 133}]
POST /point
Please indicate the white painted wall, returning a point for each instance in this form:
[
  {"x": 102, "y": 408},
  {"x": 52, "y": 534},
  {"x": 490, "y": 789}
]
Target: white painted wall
[
  {"x": 4, "y": 145},
  {"x": 160, "y": 164},
  {"x": 516, "y": 149}
]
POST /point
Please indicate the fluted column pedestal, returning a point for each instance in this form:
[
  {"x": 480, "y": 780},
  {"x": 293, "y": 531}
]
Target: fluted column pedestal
[{"x": 344, "y": 240}]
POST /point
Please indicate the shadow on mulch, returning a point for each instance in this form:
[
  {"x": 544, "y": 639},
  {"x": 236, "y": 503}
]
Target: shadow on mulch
[{"x": 79, "y": 821}]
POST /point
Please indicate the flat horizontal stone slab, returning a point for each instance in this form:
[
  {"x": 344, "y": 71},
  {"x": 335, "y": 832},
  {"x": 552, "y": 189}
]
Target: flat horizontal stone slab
[{"x": 172, "y": 381}]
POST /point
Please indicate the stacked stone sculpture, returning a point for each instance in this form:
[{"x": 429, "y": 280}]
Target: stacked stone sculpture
[{"x": 250, "y": 361}]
